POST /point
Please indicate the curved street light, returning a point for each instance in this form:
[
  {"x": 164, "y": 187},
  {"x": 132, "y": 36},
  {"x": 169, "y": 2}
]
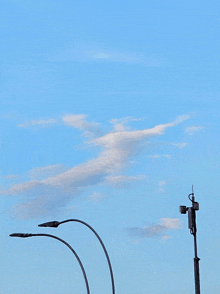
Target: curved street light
[
  {"x": 55, "y": 224},
  {"x": 22, "y": 235}
]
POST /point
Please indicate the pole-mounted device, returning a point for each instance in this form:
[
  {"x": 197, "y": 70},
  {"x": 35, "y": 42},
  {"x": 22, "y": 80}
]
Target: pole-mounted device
[{"x": 192, "y": 226}]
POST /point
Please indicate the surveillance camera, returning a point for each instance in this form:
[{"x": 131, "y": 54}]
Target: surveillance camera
[{"x": 183, "y": 209}]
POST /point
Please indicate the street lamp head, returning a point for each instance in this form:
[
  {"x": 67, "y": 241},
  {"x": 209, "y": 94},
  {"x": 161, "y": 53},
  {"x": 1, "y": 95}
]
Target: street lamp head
[
  {"x": 53, "y": 224},
  {"x": 21, "y": 235}
]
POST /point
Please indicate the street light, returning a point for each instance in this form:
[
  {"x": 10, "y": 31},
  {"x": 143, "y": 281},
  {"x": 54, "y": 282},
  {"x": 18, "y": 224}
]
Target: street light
[
  {"x": 193, "y": 230},
  {"x": 55, "y": 224},
  {"x": 21, "y": 235}
]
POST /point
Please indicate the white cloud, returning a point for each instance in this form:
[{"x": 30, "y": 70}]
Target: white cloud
[
  {"x": 155, "y": 156},
  {"x": 124, "y": 120},
  {"x": 118, "y": 140},
  {"x": 6, "y": 116},
  {"x": 11, "y": 177},
  {"x": 155, "y": 229},
  {"x": 22, "y": 187},
  {"x": 119, "y": 128},
  {"x": 119, "y": 124},
  {"x": 78, "y": 121},
  {"x": 167, "y": 156},
  {"x": 96, "y": 197},
  {"x": 81, "y": 52},
  {"x": 121, "y": 178},
  {"x": 122, "y": 57},
  {"x": 161, "y": 184},
  {"x": 41, "y": 123},
  {"x": 191, "y": 130},
  {"x": 170, "y": 223},
  {"x": 41, "y": 173},
  {"x": 120, "y": 181},
  {"x": 101, "y": 55},
  {"x": 180, "y": 145},
  {"x": 165, "y": 237},
  {"x": 56, "y": 190}
]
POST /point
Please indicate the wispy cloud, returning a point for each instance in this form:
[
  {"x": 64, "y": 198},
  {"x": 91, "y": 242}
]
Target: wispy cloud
[
  {"x": 121, "y": 178},
  {"x": 82, "y": 52},
  {"x": 180, "y": 145},
  {"x": 120, "y": 124},
  {"x": 56, "y": 188},
  {"x": 101, "y": 56},
  {"x": 6, "y": 116},
  {"x": 124, "y": 57},
  {"x": 168, "y": 156},
  {"x": 40, "y": 122},
  {"x": 96, "y": 197},
  {"x": 11, "y": 177},
  {"x": 191, "y": 130},
  {"x": 78, "y": 121},
  {"x": 41, "y": 173},
  {"x": 155, "y": 230},
  {"x": 161, "y": 185},
  {"x": 157, "y": 156},
  {"x": 121, "y": 181}
]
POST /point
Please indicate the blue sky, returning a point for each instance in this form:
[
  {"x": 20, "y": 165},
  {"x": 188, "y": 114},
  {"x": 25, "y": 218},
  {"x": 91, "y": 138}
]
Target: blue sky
[{"x": 109, "y": 112}]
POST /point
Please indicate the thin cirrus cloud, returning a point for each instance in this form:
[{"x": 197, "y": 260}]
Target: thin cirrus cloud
[
  {"x": 82, "y": 52},
  {"x": 157, "y": 156},
  {"x": 49, "y": 194},
  {"x": 40, "y": 122},
  {"x": 121, "y": 181},
  {"x": 180, "y": 145},
  {"x": 96, "y": 197},
  {"x": 154, "y": 230},
  {"x": 124, "y": 58},
  {"x": 161, "y": 185},
  {"x": 191, "y": 130}
]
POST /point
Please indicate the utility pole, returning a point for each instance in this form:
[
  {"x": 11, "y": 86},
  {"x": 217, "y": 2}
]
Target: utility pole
[{"x": 193, "y": 230}]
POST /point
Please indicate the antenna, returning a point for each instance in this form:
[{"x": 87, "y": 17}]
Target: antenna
[{"x": 193, "y": 198}]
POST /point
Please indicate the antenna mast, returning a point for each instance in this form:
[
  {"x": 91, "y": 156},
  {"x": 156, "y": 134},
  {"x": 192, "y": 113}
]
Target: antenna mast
[{"x": 193, "y": 230}]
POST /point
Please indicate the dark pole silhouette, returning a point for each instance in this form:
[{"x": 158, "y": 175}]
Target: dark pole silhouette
[
  {"x": 55, "y": 224},
  {"x": 193, "y": 230},
  {"x": 21, "y": 235}
]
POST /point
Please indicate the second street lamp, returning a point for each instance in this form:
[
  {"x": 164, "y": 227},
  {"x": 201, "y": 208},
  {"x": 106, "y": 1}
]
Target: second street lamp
[
  {"x": 22, "y": 235},
  {"x": 55, "y": 224}
]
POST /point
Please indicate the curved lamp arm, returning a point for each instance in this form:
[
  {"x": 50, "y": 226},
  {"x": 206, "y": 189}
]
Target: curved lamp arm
[
  {"x": 55, "y": 224},
  {"x": 21, "y": 235}
]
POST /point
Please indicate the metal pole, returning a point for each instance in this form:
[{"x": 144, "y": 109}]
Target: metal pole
[
  {"x": 192, "y": 226},
  {"x": 196, "y": 261}
]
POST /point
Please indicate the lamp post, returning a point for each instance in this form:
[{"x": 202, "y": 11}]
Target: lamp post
[
  {"x": 55, "y": 224},
  {"x": 22, "y": 235},
  {"x": 193, "y": 230}
]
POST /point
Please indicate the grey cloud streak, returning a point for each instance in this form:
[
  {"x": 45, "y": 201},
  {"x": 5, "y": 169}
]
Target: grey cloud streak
[
  {"x": 155, "y": 229},
  {"x": 52, "y": 193}
]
